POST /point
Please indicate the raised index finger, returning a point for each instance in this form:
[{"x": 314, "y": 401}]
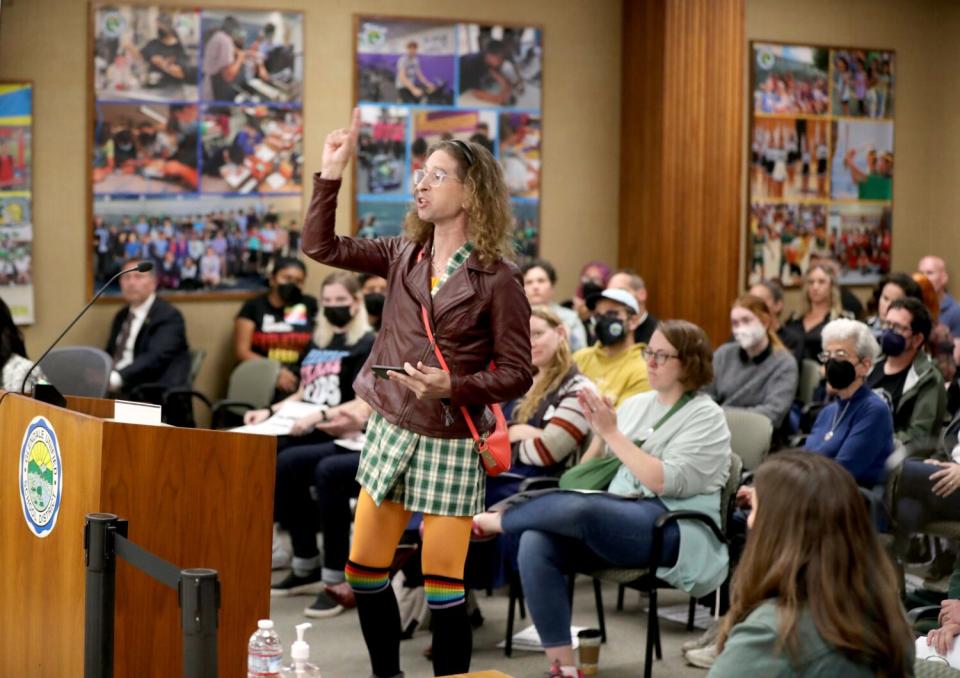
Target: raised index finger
[{"x": 354, "y": 126}]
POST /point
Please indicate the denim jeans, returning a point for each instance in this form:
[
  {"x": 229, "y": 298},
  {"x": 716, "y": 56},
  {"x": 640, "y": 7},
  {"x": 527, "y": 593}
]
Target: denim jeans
[{"x": 567, "y": 532}]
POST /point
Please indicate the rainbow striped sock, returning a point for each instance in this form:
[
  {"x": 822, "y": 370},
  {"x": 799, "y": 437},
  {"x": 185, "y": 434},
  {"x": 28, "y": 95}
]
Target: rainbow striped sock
[
  {"x": 443, "y": 592},
  {"x": 363, "y": 579}
]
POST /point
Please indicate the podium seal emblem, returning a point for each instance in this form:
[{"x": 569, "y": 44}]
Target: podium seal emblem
[{"x": 41, "y": 481}]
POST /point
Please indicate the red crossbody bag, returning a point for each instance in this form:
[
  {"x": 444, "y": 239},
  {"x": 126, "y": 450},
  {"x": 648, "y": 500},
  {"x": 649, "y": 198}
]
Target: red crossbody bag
[{"x": 494, "y": 449}]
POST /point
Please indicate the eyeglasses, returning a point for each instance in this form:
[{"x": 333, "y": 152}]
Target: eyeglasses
[
  {"x": 896, "y": 327},
  {"x": 658, "y": 357},
  {"x": 837, "y": 355},
  {"x": 434, "y": 177}
]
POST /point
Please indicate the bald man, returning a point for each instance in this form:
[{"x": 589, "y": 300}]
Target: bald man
[{"x": 936, "y": 271}]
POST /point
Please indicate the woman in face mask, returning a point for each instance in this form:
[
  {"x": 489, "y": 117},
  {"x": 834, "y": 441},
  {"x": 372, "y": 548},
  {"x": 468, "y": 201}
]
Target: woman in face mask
[
  {"x": 339, "y": 347},
  {"x": 754, "y": 372},
  {"x": 278, "y": 325},
  {"x": 374, "y": 290},
  {"x": 856, "y": 429}
]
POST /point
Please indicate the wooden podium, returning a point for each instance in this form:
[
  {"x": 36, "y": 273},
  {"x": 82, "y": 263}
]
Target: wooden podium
[{"x": 193, "y": 497}]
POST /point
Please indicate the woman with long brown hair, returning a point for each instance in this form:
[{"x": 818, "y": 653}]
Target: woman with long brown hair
[
  {"x": 815, "y": 593},
  {"x": 754, "y": 372}
]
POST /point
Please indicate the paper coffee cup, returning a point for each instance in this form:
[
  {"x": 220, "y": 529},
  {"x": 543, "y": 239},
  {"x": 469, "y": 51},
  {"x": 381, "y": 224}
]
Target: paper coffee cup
[{"x": 589, "y": 651}]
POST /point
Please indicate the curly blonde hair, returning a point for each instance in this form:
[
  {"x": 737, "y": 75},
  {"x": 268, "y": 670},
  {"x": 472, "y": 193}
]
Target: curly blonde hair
[{"x": 490, "y": 220}]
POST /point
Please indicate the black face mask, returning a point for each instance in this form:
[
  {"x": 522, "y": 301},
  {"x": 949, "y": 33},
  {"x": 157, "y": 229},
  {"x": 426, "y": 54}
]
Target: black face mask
[
  {"x": 374, "y": 303},
  {"x": 289, "y": 293},
  {"x": 338, "y": 316},
  {"x": 610, "y": 330},
  {"x": 892, "y": 343},
  {"x": 840, "y": 373}
]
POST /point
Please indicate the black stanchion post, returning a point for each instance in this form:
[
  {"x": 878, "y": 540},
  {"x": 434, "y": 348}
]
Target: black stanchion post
[
  {"x": 199, "y": 609},
  {"x": 98, "y": 534}
]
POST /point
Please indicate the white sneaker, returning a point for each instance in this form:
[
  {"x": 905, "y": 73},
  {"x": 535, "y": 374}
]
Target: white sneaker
[
  {"x": 706, "y": 638},
  {"x": 703, "y": 657},
  {"x": 282, "y": 558}
]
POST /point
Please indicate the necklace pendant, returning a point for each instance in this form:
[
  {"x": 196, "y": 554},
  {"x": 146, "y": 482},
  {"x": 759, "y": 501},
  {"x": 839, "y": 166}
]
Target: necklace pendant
[{"x": 828, "y": 436}]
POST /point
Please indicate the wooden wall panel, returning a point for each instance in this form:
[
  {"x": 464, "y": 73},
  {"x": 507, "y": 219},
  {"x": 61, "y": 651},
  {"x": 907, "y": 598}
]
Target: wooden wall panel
[{"x": 682, "y": 155}]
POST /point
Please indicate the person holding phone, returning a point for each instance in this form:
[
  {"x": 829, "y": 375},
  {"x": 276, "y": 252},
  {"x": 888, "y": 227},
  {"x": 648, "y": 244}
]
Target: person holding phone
[{"x": 451, "y": 269}]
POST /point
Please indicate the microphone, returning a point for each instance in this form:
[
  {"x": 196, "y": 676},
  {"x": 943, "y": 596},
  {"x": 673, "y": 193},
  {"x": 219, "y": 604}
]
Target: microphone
[{"x": 53, "y": 396}]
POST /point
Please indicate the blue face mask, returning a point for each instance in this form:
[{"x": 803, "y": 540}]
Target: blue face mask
[{"x": 892, "y": 344}]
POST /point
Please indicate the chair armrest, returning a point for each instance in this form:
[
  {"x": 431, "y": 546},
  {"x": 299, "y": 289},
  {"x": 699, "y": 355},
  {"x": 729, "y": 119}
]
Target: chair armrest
[
  {"x": 184, "y": 392},
  {"x": 222, "y": 406},
  {"x": 669, "y": 517},
  {"x": 925, "y": 612},
  {"x": 539, "y": 483}
]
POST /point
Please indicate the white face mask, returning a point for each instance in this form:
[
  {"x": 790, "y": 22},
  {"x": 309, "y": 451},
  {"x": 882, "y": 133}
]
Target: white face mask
[{"x": 750, "y": 335}]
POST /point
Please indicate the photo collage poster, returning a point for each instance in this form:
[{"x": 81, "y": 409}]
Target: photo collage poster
[
  {"x": 821, "y": 162},
  {"x": 422, "y": 81},
  {"x": 16, "y": 200},
  {"x": 197, "y": 144}
]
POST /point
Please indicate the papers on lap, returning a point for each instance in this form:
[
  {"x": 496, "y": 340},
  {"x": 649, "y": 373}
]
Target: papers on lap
[{"x": 281, "y": 422}]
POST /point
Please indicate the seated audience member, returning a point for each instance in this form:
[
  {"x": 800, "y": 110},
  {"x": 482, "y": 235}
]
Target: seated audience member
[
  {"x": 278, "y": 325},
  {"x": 547, "y": 423},
  {"x": 13, "y": 355},
  {"x": 821, "y": 304},
  {"x": 935, "y": 270},
  {"x": 331, "y": 470},
  {"x": 848, "y": 300},
  {"x": 374, "y": 289},
  {"x": 674, "y": 446},
  {"x": 615, "y": 362},
  {"x": 814, "y": 593},
  {"x": 593, "y": 278},
  {"x": 340, "y": 345},
  {"x": 891, "y": 287},
  {"x": 539, "y": 281},
  {"x": 906, "y": 377},
  {"x": 754, "y": 372},
  {"x": 148, "y": 338},
  {"x": 633, "y": 283},
  {"x": 772, "y": 295},
  {"x": 856, "y": 429}
]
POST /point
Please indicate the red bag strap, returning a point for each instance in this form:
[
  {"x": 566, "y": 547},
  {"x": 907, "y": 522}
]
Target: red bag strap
[{"x": 443, "y": 364}]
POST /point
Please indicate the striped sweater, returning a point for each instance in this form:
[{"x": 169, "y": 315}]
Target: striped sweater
[{"x": 565, "y": 430}]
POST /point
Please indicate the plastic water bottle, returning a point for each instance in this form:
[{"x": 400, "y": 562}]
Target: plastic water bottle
[{"x": 264, "y": 652}]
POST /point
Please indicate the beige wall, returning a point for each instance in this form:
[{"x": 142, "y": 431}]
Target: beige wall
[
  {"x": 926, "y": 199},
  {"x": 46, "y": 41}
]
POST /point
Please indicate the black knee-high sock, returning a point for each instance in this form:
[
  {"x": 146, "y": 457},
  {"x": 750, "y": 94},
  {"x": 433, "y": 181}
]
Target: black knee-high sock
[
  {"x": 379, "y": 616},
  {"x": 452, "y": 635}
]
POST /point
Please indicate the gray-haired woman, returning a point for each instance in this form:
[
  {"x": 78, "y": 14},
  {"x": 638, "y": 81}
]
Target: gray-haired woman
[{"x": 856, "y": 429}]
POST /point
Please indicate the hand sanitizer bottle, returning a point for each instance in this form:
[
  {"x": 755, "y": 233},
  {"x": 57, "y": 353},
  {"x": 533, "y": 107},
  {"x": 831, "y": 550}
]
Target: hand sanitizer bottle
[{"x": 300, "y": 652}]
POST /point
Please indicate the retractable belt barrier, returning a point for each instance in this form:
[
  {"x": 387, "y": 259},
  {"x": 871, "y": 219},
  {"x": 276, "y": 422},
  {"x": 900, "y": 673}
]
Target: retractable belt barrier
[{"x": 198, "y": 595}]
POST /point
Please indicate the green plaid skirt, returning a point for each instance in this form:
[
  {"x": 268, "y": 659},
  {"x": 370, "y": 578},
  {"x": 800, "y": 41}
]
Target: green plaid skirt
[{"x": 439, "y": 476}]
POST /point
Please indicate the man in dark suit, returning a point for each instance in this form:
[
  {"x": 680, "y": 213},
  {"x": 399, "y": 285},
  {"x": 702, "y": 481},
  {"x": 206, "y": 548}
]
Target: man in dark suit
[{"x": 148, "y": 339}]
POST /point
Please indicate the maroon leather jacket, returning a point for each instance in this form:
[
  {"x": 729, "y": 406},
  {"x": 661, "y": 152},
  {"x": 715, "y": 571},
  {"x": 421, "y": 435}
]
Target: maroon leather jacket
[{"x": 480, "y": 314}]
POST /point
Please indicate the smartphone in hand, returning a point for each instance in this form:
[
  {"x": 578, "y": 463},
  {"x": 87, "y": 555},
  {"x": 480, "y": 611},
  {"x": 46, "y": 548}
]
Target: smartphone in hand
[{"x": 383, "y": 371}]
